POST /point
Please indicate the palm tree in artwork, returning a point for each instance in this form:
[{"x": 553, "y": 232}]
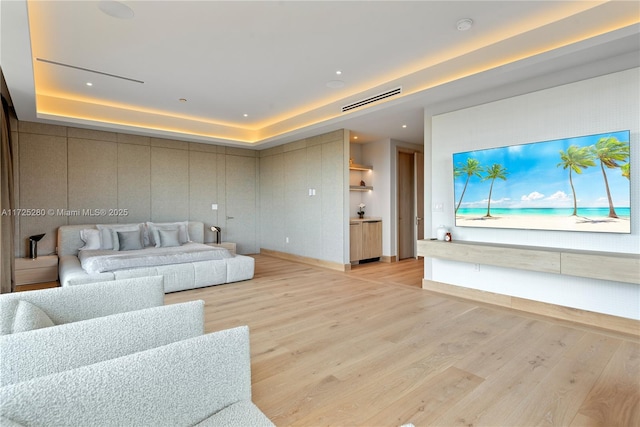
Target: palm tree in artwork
[
  {"x": 493, "y": 172},
  {"x": 610, "y": 151},
  {"x": 471, "y": 168},
  {"x": 626, "y": 170},
  {"x": 575, "y": 159}
]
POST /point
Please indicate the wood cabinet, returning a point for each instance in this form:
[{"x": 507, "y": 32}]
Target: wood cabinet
[
  {"x": 365, "y": 239},
  {"x": 620, "y": 267},
  {"x": 230, "y": 246},
  {"x": 355, "y": 237},
  {"x": 39, "y": 270}
]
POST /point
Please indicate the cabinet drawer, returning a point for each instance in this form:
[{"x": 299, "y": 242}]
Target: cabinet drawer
[{"x": 39, "y": 270}]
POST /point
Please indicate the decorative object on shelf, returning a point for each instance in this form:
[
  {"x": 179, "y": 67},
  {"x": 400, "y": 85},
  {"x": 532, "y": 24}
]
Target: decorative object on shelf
[
  {"x": 447, "y": 237},
  {"x": 362, "y": 184},
  {"x": 441, "y": 232},
  {"x": 350, "y": 161},
  {"x": 360, "y": 212},
  {"x": 33, "y": 245},
  {"x": 218, "y": 231}
]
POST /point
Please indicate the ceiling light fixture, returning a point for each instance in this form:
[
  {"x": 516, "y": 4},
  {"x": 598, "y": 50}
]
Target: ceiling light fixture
[
  {"x": 464, "y": 24},
  {"x": 245, "y": 115},
  {"x": 182, "y": 99},
  {"x": 89, "y": 84},
  {"x": 404, "y": 126},
  {"x": 338, "y": 72},
  {"x": 115, "y": 9}
]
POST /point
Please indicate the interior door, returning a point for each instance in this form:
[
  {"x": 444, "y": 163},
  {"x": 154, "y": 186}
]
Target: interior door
[
  {"x": 240, "y": 218},
  {"x": 418, "y": 162},
  {"x": 406, "y": 195}
]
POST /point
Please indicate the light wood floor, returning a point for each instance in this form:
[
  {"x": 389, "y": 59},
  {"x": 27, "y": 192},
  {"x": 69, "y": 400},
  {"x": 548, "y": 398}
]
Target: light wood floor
[{"x": 369, "y": 348}]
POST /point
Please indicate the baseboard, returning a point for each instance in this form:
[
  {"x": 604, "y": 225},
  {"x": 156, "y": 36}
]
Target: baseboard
[
  {"x": 584, "y": 317},
  {"x": 306, "y": 260},
  {"x": 388, "y": 258}
]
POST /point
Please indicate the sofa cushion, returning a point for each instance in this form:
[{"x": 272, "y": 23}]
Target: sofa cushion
[
  {"x": 75, "y": 303},
  {"x": 61, "y": 348},
  {"x": 178, "y": 384},
  {"x": 21, "y": 316}
]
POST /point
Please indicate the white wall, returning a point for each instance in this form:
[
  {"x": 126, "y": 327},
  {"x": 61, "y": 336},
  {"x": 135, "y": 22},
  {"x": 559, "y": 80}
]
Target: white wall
[{"x": 597, "y": 105}]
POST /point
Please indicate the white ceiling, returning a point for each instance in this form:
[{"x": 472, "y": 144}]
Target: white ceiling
[{"x": 272, "y": 61}]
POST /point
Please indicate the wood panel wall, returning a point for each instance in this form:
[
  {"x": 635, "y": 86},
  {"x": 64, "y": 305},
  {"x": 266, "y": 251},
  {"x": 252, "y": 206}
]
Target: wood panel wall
[
  {"x": 315, "y": 226},
  {"x": 68, "y": 169}
]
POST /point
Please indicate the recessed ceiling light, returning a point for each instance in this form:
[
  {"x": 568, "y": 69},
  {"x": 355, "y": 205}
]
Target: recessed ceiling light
[
  {"x": 355, "y": 137},
  {"x": 338, "y": 72},
  {"x": 404, "y": 126},
  {"x": 182, "y": 99},
  {"x": 245, "y": 115},
  {"x": 89, "y": 84},
  {"x": 115, "y": 9},
  {"x": 335, "y": 84},
  {"x": 464, "y": 24}
]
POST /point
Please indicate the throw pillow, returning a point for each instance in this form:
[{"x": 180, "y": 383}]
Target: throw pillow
[
  {"x": 169, "y": 237},
  {"x": 153, "y": 227},
  {"x": 21, "y": 316},
  {"x": 91, "y": 239},
  {"x": 129, "y": 240},
  {"x": 108, "y": 237}
]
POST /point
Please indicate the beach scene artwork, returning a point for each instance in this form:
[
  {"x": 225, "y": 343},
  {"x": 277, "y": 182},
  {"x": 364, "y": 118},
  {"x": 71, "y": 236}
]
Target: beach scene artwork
[{"x": 573, "y": 184}]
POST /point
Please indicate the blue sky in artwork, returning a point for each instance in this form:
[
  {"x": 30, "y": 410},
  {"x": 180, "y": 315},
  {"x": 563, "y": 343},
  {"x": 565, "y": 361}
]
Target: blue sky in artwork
[{"x": 534, "y": 180}]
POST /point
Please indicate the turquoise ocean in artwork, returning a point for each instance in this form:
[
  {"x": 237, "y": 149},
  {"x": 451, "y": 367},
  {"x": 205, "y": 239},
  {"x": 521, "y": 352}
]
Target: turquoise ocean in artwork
[{"x": 622, "y": 212}]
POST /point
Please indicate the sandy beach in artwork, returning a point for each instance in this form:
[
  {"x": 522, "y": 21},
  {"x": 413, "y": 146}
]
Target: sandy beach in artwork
[{"x": 551, "y": 222}]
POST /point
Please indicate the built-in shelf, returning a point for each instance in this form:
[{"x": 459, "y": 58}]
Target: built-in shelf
[
  {"x": 619, "y": 267},
  {"x": 357, "y": 167},
  {"x": 360, "y": 188}
]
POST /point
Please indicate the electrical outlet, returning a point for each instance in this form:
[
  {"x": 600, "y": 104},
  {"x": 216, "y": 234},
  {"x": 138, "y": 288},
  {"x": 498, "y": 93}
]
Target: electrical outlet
[
  {"x": 214, "y": 206},
  {"x": 286, "y": 240}
]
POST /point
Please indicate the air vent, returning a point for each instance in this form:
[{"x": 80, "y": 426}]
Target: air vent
[
  {"x": 61, "y": 64},
  {"x": 372, "y": 99}
]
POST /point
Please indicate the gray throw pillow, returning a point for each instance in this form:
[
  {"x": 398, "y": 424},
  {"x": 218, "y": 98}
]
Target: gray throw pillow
[
  {"x": 129, "y": 240},
  {"x": 21, "y": 316},
  {"x": 169, "y": 238}
]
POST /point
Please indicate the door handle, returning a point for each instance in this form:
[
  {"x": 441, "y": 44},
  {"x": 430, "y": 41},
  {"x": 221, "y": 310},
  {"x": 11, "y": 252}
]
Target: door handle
[
  {"x": 229, "y": 217},
  {"x": 418, "y": 219}
]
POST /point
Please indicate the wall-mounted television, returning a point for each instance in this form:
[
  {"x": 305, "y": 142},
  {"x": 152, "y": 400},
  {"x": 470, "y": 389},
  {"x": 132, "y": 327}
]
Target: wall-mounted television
[{"x": 573, "y": 184}]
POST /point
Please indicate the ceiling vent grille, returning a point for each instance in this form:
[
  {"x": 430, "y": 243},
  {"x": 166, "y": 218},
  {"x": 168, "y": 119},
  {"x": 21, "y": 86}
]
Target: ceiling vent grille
[{"x": 372, "y": 99}]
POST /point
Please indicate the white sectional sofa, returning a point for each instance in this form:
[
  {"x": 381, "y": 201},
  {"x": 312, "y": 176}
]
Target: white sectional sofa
[{"x": 150, "y": 366}]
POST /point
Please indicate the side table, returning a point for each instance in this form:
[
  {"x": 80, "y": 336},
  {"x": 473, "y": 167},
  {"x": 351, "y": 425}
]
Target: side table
[
  {"x": 230, "y": 246},
  {"x": 38, "y": 270}
]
